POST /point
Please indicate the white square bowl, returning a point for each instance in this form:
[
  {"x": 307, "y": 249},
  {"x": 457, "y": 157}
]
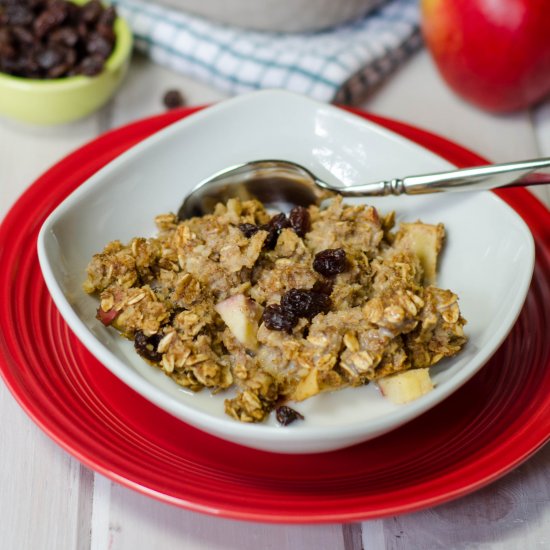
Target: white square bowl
[{"x": 488, "y": 259}]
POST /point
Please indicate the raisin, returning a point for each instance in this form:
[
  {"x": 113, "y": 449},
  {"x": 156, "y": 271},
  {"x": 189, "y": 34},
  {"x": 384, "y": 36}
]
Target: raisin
[
  {"x": 90, "y": 66},
  {"x": 146, "y": 346},
  {"x": 64, "y": 35},
  {"x": 107, "y": 32},
  {"x": 82, "y": 30},
  {"x": 323, "y": 286},
  {"x": 98, "y": 45},
  {"x": 173, "y": 99},
  {"x": 277, "y": 318},
  {"x": 278, "y": 222},
  {"x": 108, "y": 16},
  {"x": 305, "y": 303},
  {"x": 248, "y": 229},
  {"x": 63, "y": 67},
  {"x": 272, "y": 237},
  {"x": 73, "y": 15},
  {"x": 47, "y": 21},
  {"x": 26, "y": 64},
  {"x": 300, "y": 220},
  {"x": 286, "y": 415},
  {"x": 59, "y": 9},
  {"x": 91, "y": 12},
  {"x": 49, "y": 58},
  {"x": 18, "y": 15},
  {"x": 330, "y": 262},
  {"x": 7, "y": 49},
  {"x": 273, "y": 228},
  {"x": 23, "y": 36}
]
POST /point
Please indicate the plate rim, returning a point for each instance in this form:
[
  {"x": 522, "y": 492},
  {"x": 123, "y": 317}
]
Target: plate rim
[{"x": 533, "y": 205}]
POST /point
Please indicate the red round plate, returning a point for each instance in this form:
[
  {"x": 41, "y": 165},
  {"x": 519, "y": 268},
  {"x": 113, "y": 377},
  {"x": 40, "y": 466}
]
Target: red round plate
[{"x": 482, "y": 431}]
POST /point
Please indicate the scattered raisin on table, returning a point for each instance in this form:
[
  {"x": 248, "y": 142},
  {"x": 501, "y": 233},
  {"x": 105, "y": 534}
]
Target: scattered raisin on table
[
  {"x": 330, "y": 262},
  {"x": 173, "y": 99},
  {"x": 146, "y": 346},
  {"x": 286, "y": 415},
  {"x": 277, "y": 318},
  {"x": 305, "y": 303},
  {"x": 300, "y": 220}
]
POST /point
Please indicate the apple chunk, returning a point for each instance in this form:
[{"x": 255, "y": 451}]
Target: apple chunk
[
  {"x": 425, "y": 241},
  {"x": 242, "y": 316},
  {"x": 406, "y": 386},
  {"x": 308, "y": 386}
]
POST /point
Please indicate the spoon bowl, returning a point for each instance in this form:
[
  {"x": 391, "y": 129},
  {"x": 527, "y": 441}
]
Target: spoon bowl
[{"x": 278, "y": 184}]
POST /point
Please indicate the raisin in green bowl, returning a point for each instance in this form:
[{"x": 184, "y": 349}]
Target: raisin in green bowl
[{"x": 65, "y": 99}]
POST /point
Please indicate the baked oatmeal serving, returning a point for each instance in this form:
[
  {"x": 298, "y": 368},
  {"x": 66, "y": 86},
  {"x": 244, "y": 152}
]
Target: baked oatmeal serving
[{"x": 282, "y": 307}]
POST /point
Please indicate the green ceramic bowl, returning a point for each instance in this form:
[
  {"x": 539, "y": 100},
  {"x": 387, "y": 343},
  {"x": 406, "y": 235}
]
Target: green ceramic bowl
[{"x": 62, "y": 100}]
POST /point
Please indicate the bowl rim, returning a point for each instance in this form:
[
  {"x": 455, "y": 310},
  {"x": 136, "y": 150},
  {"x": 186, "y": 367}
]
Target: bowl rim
[{"x": 120, "y": 53}]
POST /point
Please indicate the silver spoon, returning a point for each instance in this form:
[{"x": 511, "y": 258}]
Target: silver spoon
[{"x": 283, "y": 184}]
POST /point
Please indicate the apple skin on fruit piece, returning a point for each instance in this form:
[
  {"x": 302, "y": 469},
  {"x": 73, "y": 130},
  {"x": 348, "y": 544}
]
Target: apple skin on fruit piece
[
  {"x": 406, "y": 386},
  {"x": 107, "y": 317},
  {"x": 242, "y": 316},
  {"x": 494, "y": 54}
]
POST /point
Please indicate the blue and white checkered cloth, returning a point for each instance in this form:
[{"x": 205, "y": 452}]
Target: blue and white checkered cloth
[{"x": 338, "y": 65}]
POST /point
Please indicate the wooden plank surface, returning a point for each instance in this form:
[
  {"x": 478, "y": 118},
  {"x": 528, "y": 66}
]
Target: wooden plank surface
[
  {"x": 511, "y": 513},
  {"x": 139, "y": 522},
  {"x": 49, "y": 501},
  {"x": 45, "y": 495}
]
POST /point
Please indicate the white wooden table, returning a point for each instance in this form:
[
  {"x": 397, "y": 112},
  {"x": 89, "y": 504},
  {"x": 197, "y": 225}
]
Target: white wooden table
[{"x": 50, "y": 501}]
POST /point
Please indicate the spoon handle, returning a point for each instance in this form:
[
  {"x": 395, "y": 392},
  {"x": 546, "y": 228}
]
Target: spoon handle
[{"x": 510, "y": 174}]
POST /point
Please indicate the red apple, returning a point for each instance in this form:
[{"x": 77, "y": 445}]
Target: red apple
[{"x": 493, "y": 53}]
